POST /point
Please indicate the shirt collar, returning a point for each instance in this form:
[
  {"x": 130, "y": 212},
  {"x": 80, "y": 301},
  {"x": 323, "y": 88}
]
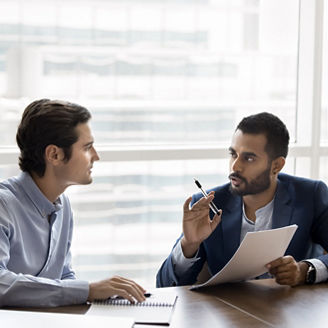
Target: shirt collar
[
  {"x": 268, "y": 208},
  {"x": 43, "y": 205}
]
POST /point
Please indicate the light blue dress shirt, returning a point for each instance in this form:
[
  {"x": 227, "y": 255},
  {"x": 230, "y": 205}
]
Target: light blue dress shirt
[{"x": 35, "y": 241}]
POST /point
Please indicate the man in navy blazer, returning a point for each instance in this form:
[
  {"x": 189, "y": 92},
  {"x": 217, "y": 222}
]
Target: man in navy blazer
[{"x": 258, "y": 197}]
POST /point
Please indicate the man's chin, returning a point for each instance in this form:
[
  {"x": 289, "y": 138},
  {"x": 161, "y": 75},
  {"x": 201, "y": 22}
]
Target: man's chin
[
  {"x": 236, "y": 190},
  {"x": 86, "y": 181}
]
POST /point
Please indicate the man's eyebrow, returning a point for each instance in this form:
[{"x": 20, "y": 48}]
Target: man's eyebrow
[
  {"x": 90, "y": 143},
  {"x": 245, "y": 153},
  {"x": 249, "y": 153}
]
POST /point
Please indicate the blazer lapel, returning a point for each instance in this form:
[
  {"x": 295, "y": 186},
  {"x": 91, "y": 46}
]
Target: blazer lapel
[
  {"x": 231, "y": 226},
  {"x": 282, "y": 210}
]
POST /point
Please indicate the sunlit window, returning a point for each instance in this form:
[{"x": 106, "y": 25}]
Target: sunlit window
[{"x": 155, "y": 74}]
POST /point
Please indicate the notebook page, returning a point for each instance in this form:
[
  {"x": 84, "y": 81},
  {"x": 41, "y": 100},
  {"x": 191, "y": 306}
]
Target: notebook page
[{"x": 157, "y": 309}]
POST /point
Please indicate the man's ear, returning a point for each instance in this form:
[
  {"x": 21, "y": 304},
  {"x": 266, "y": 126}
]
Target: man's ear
[
  {"x": 277, "y": 165},
  {"x": 54, "y": 154}
]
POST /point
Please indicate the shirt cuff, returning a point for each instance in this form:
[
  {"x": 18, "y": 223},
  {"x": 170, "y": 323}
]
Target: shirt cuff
[
  {"x": 321, "y": 270},
  {"x": 75, "y": 291},
  {"x": 182, "y": 264}
]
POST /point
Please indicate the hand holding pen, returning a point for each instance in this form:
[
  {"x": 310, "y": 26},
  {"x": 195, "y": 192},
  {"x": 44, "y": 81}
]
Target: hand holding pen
[
  {"x": 197, "y": 224},
  {"x": 212, "y": 206}
]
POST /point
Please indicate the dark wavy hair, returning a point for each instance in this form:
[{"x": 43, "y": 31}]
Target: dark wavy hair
[
  {"x": 47, "y": 122},
  {"x": 272, "y": 127}
]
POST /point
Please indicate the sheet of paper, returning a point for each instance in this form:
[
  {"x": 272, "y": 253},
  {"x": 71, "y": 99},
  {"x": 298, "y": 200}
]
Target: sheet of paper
[
  {"x": 27, "y": 319},
  {"x": 255, "y": 251}
]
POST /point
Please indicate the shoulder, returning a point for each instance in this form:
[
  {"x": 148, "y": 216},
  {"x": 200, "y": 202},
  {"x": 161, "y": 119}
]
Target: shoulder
[
  {"x": 300, "y": 183},
  {"x": 9, "y": 190},
  {"x": 9, "y": 198},
  {"x": 302, "y": 190}
]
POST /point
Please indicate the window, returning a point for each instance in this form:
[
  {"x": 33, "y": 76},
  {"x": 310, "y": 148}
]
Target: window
[{"x": 166, "y": 82}]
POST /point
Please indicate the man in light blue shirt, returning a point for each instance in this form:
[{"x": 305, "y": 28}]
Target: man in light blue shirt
[{"x": 36, "y": 222}]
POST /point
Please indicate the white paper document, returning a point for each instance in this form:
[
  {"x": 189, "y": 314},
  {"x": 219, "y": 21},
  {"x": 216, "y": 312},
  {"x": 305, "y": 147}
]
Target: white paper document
[{"x": 255, "y": 251}]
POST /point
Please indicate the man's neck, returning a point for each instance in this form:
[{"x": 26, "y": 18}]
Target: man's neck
[
  {"x": 48, "y": 186},
  {"x": 254, "y": 202}
]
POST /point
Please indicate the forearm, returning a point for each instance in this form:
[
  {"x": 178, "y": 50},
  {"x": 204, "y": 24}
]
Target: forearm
[
  {"x": 177, "y": 270},
  {"x": 189, "y": 249},
  {"x": 181, "y": 263},
  {"x": 26, "y": 290}
]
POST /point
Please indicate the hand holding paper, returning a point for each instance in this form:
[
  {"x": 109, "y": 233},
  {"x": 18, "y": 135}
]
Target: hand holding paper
[
  {"x": 287, "y": 271},
  {"x": 255, "y": 251}
]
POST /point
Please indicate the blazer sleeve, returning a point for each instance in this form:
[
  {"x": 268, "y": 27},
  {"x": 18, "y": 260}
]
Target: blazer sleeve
[{"x": 320, "y": 225}]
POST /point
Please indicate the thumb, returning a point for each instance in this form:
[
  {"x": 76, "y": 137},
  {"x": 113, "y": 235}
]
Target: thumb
[{"x": 186, "y": 204}]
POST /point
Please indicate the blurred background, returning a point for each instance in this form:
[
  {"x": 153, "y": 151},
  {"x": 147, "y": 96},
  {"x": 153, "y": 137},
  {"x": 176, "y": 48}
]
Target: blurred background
[{"x": 166, "y": 81}]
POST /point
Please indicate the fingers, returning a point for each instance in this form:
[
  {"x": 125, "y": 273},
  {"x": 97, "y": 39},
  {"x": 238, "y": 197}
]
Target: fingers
[
  {"x": 285, "y": 270},
  {"x": 203, "y": 203},
  {"x": 127, "y": 286},
  {"x": 280, "y": 263},
  {"x": 116, "y": 285},
  {"x": 199, "y": 210},
  {"x": 197, "y": 224},
  {"x": 131, "y": 282},
  {"x": 216, "y": 220},
  {"x": 128, "y": 289}
]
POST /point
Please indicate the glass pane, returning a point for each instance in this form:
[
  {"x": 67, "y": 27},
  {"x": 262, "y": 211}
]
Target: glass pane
[
  {"x": 299, "y": 166},
  {"x": 8, "y": 171},
  {"x": 324, "y": 169},
  {"x": 324, "y": 113},
  {"x": 160, "y": 82}
]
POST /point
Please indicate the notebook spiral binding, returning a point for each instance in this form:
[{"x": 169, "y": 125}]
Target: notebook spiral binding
[{"x": 127, "y": 303}]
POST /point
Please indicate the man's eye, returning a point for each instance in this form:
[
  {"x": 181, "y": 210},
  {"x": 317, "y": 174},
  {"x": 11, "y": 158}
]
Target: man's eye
[
  {"x": 233, "y": 155},
  {"x": 249, "y": 159}
]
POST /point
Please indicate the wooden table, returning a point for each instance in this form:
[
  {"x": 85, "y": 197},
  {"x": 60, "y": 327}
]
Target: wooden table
[
  {"x": 276, "y": 305},
  {"x": 258, "y": 303}
]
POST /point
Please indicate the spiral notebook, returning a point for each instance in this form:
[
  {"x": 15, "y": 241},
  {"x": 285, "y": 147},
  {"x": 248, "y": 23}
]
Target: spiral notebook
[{"x": 156, "y": 310}]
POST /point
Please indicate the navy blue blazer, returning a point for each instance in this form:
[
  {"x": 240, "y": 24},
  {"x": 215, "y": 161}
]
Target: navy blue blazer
[{"x": 298, "y": 201}]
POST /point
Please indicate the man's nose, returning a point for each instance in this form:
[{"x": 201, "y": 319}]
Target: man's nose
[
  {"x": 236, "y": 165},
  {"x": 95, "y": 156}
]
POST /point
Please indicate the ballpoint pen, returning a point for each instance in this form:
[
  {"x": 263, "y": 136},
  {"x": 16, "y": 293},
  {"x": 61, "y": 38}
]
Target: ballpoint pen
[{"x": 211, "y": 204}]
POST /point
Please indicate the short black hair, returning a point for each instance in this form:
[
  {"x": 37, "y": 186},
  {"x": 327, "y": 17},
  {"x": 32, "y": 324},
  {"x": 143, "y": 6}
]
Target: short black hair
[
  {"x": 272, "y": 127},
  {"x": 47, "y": 122}
]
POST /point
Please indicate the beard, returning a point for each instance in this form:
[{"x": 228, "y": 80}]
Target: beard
[{"x": 261, "y": 183}]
